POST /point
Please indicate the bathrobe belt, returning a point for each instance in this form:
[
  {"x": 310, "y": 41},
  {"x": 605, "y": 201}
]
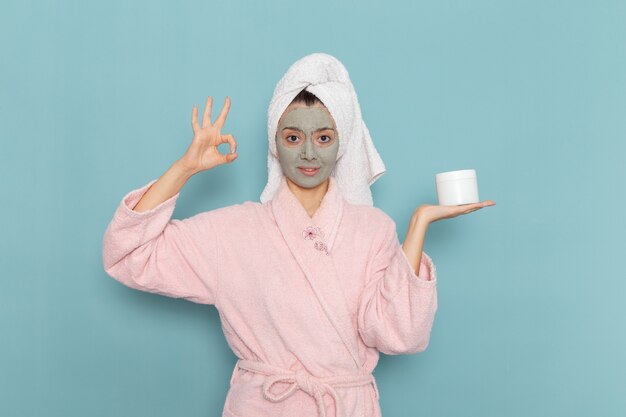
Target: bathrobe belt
[{"x": 303, "y": 380}]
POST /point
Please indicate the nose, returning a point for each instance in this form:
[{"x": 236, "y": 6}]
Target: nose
[{"x": 309, "y": 150}]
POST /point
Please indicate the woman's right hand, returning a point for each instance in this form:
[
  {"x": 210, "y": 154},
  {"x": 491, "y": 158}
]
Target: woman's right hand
[{"x": 203, "y": 154}]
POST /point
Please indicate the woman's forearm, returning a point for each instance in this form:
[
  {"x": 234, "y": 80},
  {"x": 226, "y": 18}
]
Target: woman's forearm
[
  {"x": 414, "y": 241},
  {"x": 166, "y": 186}
]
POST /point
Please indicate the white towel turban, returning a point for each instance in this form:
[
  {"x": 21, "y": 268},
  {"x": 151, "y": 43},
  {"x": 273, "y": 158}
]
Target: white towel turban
[{"x": 358, "y": 163}]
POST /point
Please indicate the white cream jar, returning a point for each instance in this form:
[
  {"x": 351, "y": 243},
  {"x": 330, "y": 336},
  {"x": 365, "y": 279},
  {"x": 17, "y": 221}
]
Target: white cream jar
[{"x": 457, "y": 187}]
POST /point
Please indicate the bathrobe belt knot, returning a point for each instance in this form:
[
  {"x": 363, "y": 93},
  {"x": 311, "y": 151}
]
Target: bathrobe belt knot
[{"x": 303, "y": 380}]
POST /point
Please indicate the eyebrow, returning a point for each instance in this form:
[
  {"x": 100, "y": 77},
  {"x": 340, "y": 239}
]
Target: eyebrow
[{"x": 300, "y": 130}]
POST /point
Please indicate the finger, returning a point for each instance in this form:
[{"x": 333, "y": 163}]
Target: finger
[
  {"x": 229, "y": 157},
  {"x": 206, "y": 116},
  {"x": 221, "y": 119},
  {"x": 469, "y": 204},
  {"x": 466, "y": 208},
  {"x": 231, "y": 140},
  {"x": 194, "y": 119}
]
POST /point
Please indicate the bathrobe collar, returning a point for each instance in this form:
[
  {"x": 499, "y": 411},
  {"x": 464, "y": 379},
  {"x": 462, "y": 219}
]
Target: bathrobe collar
[
  {"x": 310, "y": 240},
  {"x": 322, "y": 227}
]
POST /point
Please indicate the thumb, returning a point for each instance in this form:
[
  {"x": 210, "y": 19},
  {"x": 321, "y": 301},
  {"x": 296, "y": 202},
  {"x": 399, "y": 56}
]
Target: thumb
[{"x": 229, "y": 157}]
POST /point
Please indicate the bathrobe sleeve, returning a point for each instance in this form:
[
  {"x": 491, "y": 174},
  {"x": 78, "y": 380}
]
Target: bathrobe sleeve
[
  {"x": 151, "y": 252},
  {"x": 397, "y": 307}
]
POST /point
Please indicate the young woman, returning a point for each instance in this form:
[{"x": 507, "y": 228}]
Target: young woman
[{"x": 311, "y": 283}]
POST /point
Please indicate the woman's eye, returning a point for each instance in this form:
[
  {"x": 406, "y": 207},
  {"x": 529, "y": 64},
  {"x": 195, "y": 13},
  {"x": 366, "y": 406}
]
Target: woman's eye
[
  {"x": 328, "y": 139},
  {"x": 292, "y": 136}
]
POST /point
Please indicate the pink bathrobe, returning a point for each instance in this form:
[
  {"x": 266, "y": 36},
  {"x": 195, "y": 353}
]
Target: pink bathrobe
[{"x": 305, "y": 303}]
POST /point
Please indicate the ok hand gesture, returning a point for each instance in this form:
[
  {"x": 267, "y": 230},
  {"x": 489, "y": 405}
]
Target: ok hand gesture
[{"x": 203, "y": 154}]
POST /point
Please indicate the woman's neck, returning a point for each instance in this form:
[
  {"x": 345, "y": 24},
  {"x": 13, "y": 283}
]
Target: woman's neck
[{"x": 310, "y": 198}]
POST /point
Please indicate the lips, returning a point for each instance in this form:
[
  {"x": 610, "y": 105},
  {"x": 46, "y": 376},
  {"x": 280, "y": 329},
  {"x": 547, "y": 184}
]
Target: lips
[{"x": 309, "y": 171}]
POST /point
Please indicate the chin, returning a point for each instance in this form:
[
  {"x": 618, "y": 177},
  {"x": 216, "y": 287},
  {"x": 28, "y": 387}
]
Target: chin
[{"x": 306, "y": 184}]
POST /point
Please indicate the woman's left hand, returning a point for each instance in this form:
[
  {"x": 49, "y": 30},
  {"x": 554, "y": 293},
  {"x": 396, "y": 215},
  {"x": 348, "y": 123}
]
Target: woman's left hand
[{"x": 431, "y": 213}]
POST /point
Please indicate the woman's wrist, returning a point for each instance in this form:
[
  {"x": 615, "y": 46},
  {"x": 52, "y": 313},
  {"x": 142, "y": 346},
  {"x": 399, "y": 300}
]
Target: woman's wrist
[
  {"x": 419, "y": 221},
  {"x": 182, "y": 171}
]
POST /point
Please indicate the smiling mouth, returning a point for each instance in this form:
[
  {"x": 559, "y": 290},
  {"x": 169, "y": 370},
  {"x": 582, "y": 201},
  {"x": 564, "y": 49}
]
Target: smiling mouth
[{"x": 309, "y": 171}]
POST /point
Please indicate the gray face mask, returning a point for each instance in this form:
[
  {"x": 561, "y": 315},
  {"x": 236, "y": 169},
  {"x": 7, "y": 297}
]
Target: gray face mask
[{"x": 307, "y": 137}]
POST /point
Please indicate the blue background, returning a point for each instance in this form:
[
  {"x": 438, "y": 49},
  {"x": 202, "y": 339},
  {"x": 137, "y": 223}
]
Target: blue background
[{"x": 96, "y": 98}]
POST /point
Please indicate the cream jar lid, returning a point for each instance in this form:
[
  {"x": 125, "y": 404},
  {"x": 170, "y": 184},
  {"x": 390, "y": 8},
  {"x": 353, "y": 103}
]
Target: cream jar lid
[{"x": 456, "y": 175}]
